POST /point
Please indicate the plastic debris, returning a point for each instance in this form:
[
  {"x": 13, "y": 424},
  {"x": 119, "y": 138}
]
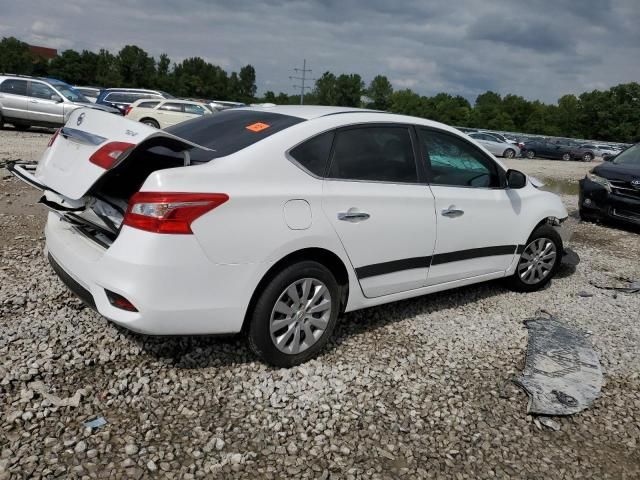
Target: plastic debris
[
  {"x": 562, "y": 373},
  {"x": 627, "y": 286},
  {"x": 95, "y": 422},
  {"x": 549, "y": 423}
]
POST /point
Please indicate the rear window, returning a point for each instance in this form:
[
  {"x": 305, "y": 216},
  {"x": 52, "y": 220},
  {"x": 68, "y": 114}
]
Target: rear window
[
  {"x": 147, "y": 104},
  {"x": 230, "y": 131}
]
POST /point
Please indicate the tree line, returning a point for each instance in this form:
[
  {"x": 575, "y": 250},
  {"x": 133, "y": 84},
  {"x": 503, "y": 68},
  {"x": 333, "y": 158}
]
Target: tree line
[{"x": 613, "y": 114}]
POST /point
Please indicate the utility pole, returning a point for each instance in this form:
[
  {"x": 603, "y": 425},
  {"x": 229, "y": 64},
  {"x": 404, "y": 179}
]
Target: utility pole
[{"x": 302, "y": 71}]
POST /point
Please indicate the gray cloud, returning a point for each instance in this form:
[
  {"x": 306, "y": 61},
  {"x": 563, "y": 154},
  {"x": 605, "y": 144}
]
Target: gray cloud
[{"x": 535, "y": 48}]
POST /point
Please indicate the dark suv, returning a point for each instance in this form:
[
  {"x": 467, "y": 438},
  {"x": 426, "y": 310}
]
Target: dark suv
[
  {"x": 546, "y": 149},
  {"x": 121, "y": 98}
]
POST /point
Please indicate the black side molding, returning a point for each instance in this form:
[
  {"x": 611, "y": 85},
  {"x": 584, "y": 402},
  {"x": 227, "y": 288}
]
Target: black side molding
[{"x": 81, "y": 292}]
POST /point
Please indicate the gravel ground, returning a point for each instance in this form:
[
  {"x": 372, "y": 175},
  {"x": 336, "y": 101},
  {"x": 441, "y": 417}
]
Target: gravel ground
[{"x": 416, "y": 389}]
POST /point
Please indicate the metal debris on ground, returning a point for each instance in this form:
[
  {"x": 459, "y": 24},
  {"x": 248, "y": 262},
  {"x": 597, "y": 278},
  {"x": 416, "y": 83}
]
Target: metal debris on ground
[
  {"x": 549, "y": 423},
  {"x": 562, "y": 373},
  {"x": 95, "y": 423},
  {"x": 627, "y": 286}
]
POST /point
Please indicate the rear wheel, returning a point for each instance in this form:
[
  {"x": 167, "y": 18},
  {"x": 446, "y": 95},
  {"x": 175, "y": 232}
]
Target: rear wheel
[
  {"x": 530, "y": 154},
  {"x": 539, "y": 260},
  {"x": 509, "y": 153},
  {"x": 295, "y": 314},
  {"x": 587, "y": 157},
  {"x": 566, "y": 157},
  {"x": 151, "y": 122}
]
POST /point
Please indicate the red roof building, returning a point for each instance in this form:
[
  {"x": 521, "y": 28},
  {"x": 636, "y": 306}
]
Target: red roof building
[{"x": 43, "y": 52}]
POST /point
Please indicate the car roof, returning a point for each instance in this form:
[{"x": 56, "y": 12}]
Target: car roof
[
  {"x": 308, "y": 112},
  {"x": 135, "y": 90},
  {"x": 166, "y": 100}
]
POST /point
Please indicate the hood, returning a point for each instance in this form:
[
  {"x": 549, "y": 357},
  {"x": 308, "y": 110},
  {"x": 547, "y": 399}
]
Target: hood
[{"x": 611, "y": 171}]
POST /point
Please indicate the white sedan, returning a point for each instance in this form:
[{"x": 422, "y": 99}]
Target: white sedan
[
  {"x": 495, "y": 145},
  {"x": 275, "y": 221}
]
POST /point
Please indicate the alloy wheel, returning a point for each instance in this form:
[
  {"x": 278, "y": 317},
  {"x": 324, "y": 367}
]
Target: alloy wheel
[
  {"x": 566, "y": 157},
  {"x": 537, "y": 261},
  {"x": 300, "y": 316},
  {"x": 509, "y": 153}
]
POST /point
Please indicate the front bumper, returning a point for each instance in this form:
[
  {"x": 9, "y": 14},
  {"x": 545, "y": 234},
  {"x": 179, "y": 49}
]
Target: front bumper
[
  {"x": 596, "y": 202},
  {"x": 176, "y": 289}
]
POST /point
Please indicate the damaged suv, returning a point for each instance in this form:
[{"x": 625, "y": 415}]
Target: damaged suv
[{"x": 275, "y": 220}]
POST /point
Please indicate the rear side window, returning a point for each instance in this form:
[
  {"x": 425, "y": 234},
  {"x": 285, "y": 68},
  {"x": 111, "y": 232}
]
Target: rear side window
[
  {"x": 14, "y": 87},
  {"x": 453, "y": 162},
  {"x": 230, "y": 131},
  {"x": 147, "y": 104},
  {"x": 313, "y": 154},
  {"x": 171, "y": 107},
  {"x": 194, "y": 109},
  {"x": 381, "y": 154}
]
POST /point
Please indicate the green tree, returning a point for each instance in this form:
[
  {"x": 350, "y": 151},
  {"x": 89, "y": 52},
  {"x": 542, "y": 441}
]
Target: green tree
[
  {"x": 247, "y": 84},
  {"x": 407, "y": 102},
  {"x": 137, "y": 68},
  {"x": 326, "y": 89},
  {"x": 107, "y": 70},
  {"x": 380, "y": 90},
  {"x": 349, "y": 89},
  {"x": 164, "y": 75},
  {"x": 67, "y": 66},
  {"x": 15, "y": 56}
]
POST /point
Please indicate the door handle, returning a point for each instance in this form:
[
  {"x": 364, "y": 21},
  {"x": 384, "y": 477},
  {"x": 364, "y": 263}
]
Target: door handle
[
  {"x": 353, "y": 215},
  {"x": 452, "y": 212},
  {"x": 33, "y": 101}
]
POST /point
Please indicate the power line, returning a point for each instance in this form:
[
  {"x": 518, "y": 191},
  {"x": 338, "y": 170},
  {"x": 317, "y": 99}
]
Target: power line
[{"x": 304, "y": 70}]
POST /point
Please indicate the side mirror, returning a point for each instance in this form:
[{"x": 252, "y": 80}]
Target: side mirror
[
  {"x": 516, "y": 179},
  {"x": 56, "y": 98}
]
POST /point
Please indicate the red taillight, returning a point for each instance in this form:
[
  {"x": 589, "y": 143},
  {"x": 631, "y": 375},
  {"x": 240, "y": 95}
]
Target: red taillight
[
  {"x": 53, "y": 138},
  {"x": 107, "y": 155},
  {"x": 170, "y": 212},
  {"x": 127, "y": 110},
  {"x": 120, "y": 302}
]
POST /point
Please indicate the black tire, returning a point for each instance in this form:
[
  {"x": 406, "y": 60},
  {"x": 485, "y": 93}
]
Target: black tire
[
  {"x": 530, "y": 154},
  {"x": 566, "y": 157},
  {"x": 509, "y": 153},
  {"x": 21, "y": 127},
  {"x": 259, "y": 329},
  {"x": 585, "y": 217},
  {"x": 546, "y": 232},
  {"x": 151, "y": 122},
  {"x": 1, "y": 123},
  {"x": 587, "y": 157}
]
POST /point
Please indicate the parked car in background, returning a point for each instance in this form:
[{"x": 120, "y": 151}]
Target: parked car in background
[
  {"x": 546, "y": 149},
  {"x": 586, "y": 153},
  {"x": 219, "y": 105},
  {"x": 612, "y": 189},
  {"x": 35, "y": 101},
  {"x": 495, "y": 146},
  {"x": 90, "y": 92},
  {"x": 165, "y": 113},
  {"x": 275, "y": 221},
  {"x": 121, "y": 98},
  {"x": 500, "y": 137}
]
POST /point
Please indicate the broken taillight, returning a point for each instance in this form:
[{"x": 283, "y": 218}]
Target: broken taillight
[
  {"x": 170, "y": 212},
  {"x": 53, "y": 137},
  {"x": 107, "y": 155}
]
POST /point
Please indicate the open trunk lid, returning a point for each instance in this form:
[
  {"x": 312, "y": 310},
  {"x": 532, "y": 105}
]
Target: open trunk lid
[{"x": 75, "y": 161}]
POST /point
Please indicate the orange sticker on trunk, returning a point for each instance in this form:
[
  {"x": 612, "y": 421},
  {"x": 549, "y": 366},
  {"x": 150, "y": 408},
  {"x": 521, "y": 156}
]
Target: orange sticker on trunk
[{"x": 257, "y": 127}]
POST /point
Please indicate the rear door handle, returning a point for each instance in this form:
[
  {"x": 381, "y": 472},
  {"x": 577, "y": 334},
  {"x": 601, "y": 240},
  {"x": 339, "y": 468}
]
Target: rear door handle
[
  {"x": 33, "y": 101},
  {"x": 452, "y": 212},
  {"x": 353, "y": 215}
]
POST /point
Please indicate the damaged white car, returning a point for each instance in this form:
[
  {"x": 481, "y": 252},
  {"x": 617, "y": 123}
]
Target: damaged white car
[{"x": 275, "y": 220}]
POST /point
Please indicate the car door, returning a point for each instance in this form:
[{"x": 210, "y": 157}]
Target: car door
[
  {"x": 14, "y": 99},
  {"x": 170, "y": 113},
  {"x": 491, "y": 144},
  {"x": 192, "y": 110},
  {"x": 45, "y": 104},
  {"x": 473, "y": 209},
  {"x": 381, "y": 211}
]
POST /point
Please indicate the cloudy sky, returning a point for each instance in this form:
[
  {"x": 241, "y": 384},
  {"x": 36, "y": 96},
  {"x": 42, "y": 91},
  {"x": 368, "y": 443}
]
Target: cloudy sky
[{"x": 540, "y": 49}]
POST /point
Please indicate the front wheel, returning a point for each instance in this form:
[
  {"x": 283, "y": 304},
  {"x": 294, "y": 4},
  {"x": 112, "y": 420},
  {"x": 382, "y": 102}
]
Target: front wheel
[
  {"x": 151, "y": 122},
  {"x": 295, "y": 314},
  {"x": 530, "y": 154},
  {"x": 566, "y": 157},
  {"x": 587, "y": 157},
  {"x": 509, "y": 153},
  {"x": 539, "y": 260}
]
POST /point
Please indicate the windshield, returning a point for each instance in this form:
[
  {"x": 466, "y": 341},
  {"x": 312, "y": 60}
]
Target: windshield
[
  {"x": 70, "y": 93},
  {"x": 631, "y": 156}
]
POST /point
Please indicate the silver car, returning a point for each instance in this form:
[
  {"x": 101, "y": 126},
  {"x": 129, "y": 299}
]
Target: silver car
[
  {"x": 31, "y": 101},
  {"x": 495, "y": 145}
]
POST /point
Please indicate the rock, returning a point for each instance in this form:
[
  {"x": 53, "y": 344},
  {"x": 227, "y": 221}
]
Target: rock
[
  {"x": 81, "y": 446},
  {"x": 131, "y": 449},
  {"x": 151, "y": 465}
]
